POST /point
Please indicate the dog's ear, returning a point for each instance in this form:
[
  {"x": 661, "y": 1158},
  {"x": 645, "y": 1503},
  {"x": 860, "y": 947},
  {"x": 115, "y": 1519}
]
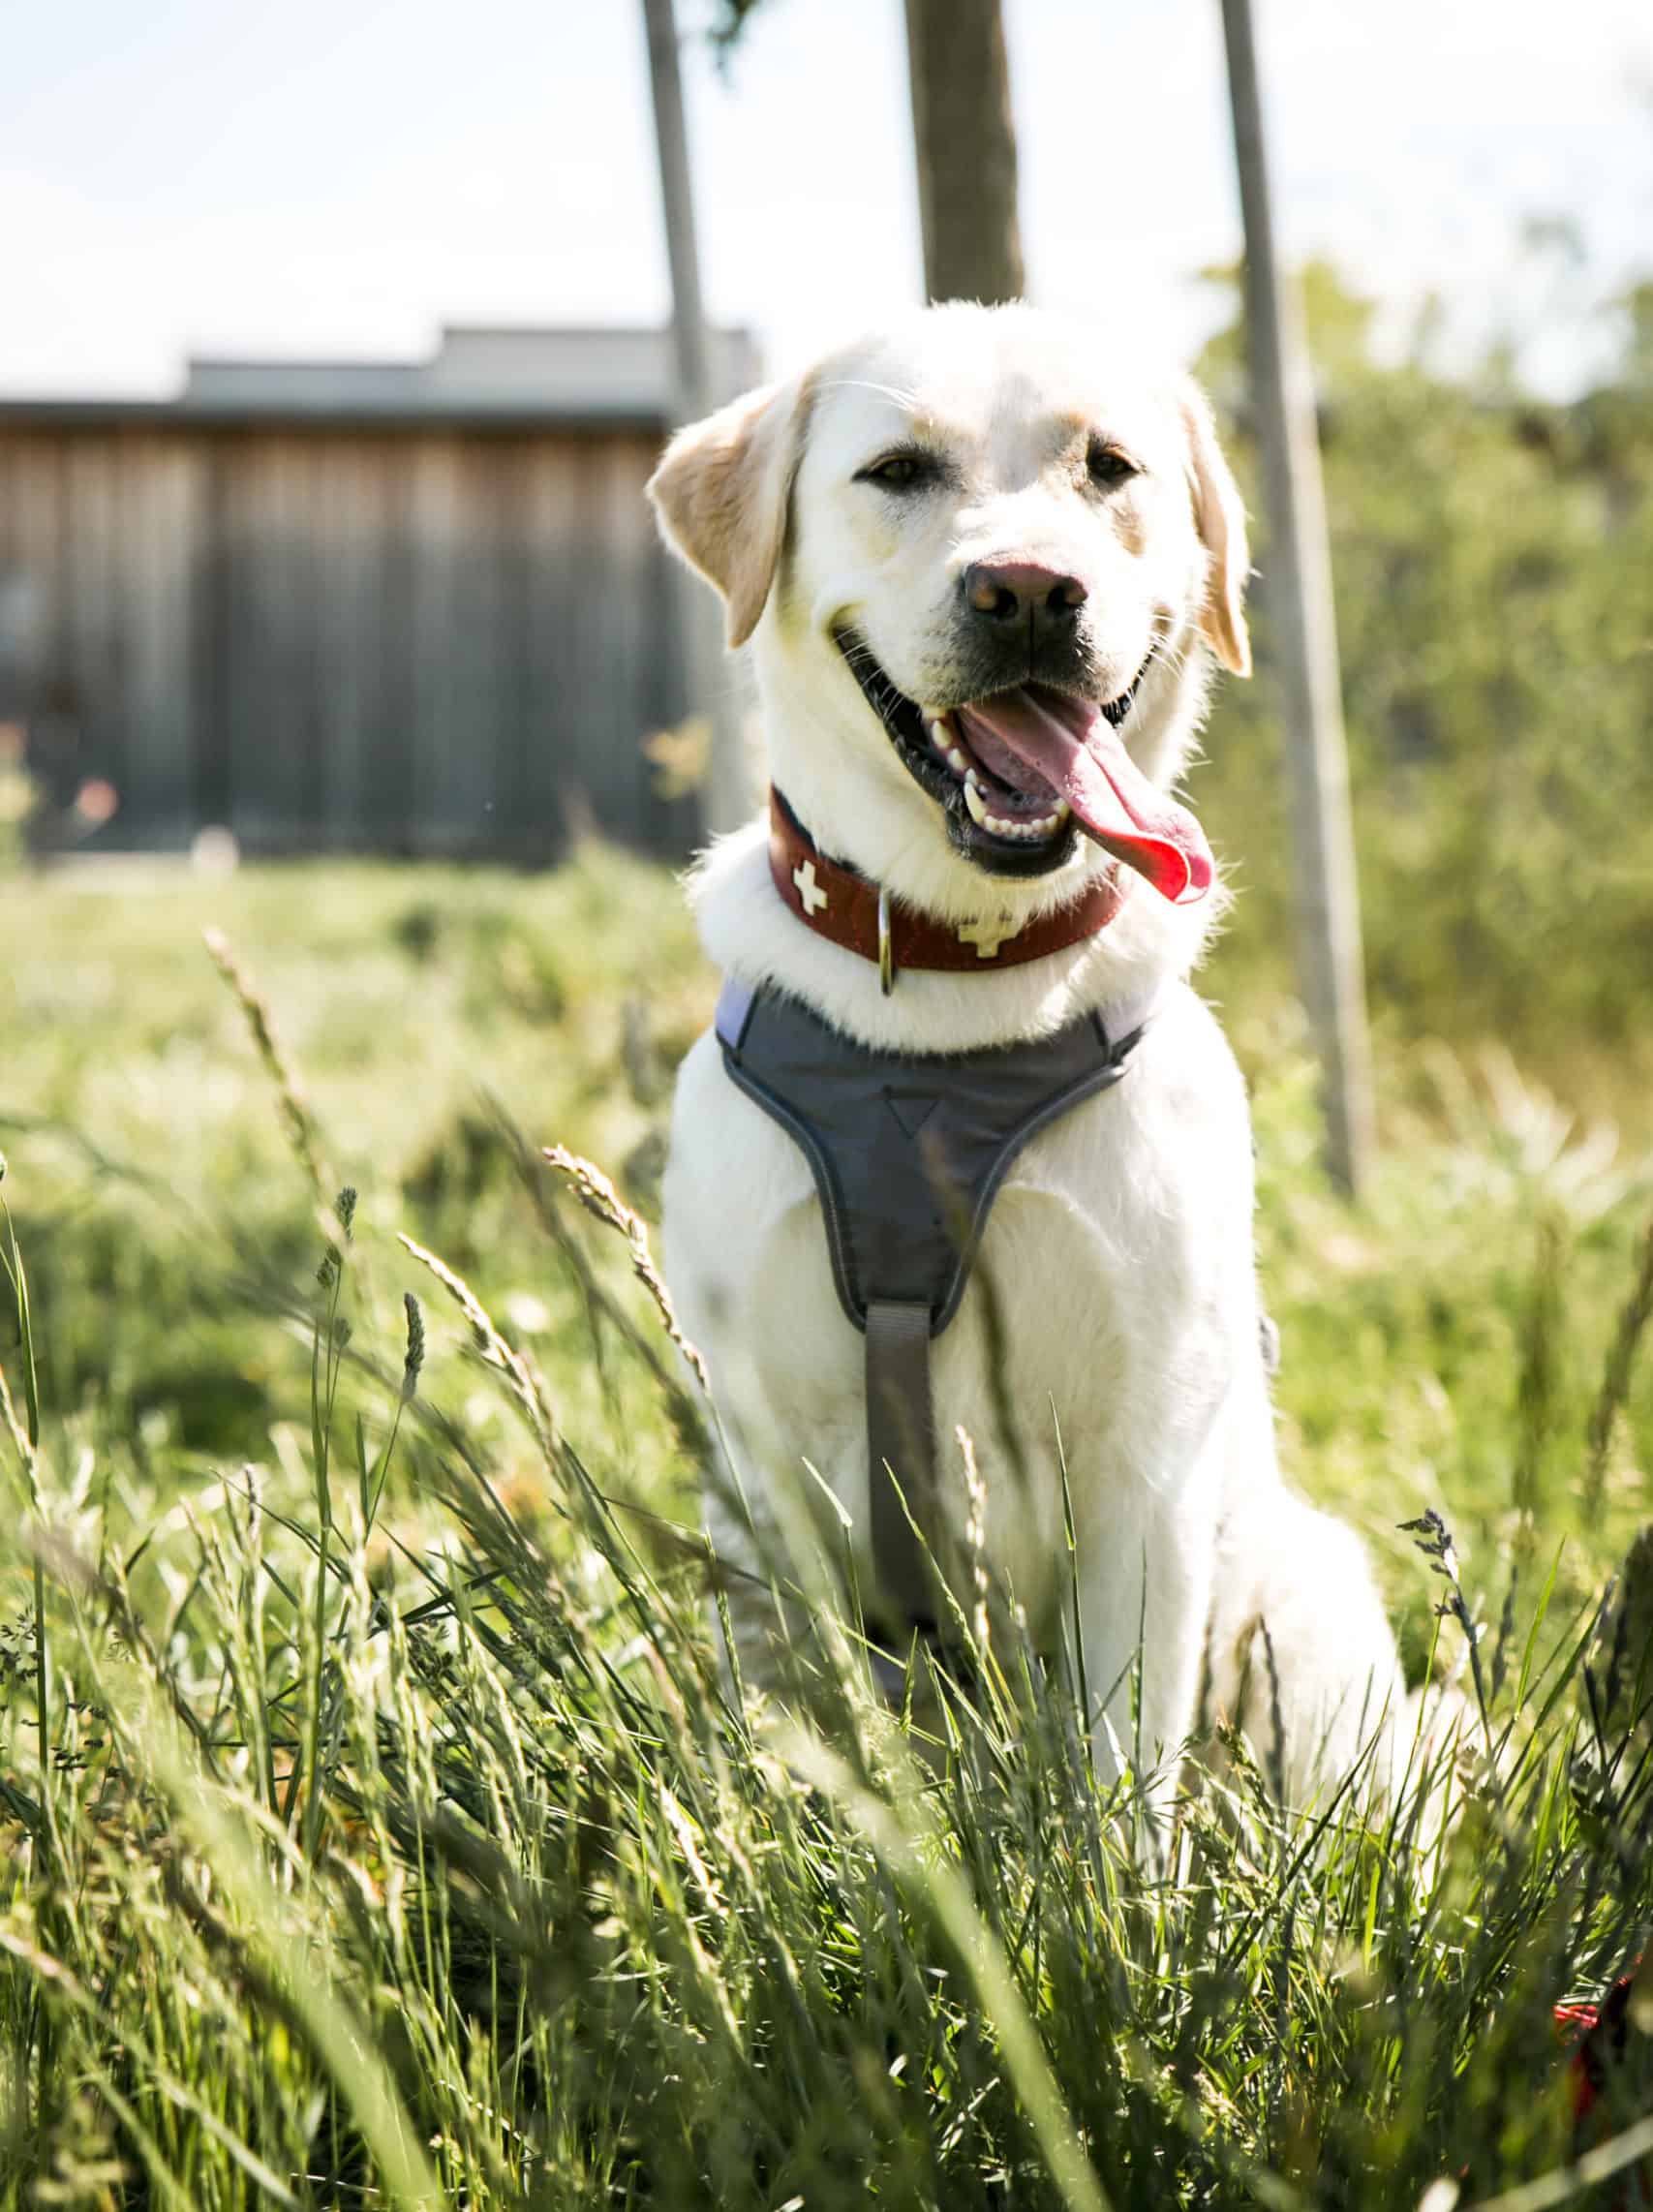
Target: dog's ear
[
  {"x": 722, "y": 491},
  {"x": 1220, "y": 516}
]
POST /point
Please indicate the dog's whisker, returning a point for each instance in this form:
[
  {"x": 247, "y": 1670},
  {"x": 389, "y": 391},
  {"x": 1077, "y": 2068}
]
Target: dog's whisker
[{"x": 902, "y": 398}]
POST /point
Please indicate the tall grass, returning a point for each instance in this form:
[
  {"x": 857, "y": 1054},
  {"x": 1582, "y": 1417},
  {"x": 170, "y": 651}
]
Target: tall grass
[{"x": 373, "y": 1836}]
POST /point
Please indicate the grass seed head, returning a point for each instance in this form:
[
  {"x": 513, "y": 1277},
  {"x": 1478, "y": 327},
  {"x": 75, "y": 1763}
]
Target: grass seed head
[{"x": 415, "y": 1358}]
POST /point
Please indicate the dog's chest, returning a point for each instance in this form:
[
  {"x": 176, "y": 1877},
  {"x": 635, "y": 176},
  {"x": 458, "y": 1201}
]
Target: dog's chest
[
  {"x": 1110, "y": 1284},
  {"x": 907, "y": 1151}
]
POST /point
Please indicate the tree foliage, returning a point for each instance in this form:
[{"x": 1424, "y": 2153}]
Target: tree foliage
[{"x": 1493, "y": 561}]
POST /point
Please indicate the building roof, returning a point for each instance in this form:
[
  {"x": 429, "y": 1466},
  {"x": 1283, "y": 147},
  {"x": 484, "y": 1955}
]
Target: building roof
[{"x": 478, "y": 376}]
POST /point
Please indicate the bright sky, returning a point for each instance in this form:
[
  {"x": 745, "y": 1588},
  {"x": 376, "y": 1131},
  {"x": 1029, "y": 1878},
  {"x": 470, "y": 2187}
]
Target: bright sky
[{"x": 337, "y": 177}]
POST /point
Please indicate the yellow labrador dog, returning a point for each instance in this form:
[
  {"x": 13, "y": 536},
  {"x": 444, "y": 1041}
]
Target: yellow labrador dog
[{"x": 984, "y": 573}]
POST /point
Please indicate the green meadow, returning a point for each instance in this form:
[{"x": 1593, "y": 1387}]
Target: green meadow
[{"x": 377, "y": 1821}]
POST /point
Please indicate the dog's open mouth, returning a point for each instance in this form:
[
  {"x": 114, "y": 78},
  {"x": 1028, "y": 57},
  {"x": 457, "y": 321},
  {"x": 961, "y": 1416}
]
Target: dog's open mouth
[{"x": 1018, "y": 772}]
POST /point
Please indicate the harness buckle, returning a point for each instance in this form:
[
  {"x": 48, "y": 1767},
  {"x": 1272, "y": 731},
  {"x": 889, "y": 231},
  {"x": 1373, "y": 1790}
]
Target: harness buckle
[{"x": 886, "y": 946}]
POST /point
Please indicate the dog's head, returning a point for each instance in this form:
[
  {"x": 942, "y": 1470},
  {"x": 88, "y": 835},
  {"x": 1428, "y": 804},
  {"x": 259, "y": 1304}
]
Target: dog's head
[{"x": 979, "y": 570}]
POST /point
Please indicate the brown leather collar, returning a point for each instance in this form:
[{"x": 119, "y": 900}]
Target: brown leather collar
[{"x": 838, "y": 903}]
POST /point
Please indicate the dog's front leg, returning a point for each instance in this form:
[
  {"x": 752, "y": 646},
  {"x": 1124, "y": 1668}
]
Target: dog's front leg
[{"x": 1145, "y": 1567}]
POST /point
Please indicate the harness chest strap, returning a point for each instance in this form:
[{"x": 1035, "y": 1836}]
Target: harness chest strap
[
  {"x": 902, "y": 1450},
  {"x": 907, "y": 1152}
]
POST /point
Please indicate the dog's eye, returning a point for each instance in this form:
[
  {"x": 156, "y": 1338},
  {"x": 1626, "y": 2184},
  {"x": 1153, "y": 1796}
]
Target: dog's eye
[
  {"x": 1107, "y": 464},
  {"x": 899, "y": 472}
]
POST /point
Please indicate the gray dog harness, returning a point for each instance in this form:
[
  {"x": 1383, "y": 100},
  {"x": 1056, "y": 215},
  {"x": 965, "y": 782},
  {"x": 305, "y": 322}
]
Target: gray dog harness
[{"x": 908, "y": 1152}]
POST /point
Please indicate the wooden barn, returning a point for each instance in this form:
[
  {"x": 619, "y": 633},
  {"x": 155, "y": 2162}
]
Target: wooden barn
[{"x": 398, "y": 608}]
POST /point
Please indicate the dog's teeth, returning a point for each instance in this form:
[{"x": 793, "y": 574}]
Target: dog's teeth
[
  {"x": 1063, "y": 810},
  {"x": 1019, "y": 832},
  {"x": 940, "y": 734},
  {"x": 957, "y": 762}
]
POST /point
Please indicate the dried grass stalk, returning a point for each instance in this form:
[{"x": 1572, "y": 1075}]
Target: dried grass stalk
[{"x": 600, "y": 1198}]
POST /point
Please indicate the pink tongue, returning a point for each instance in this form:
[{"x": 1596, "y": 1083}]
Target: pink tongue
[{"x": 1076, "y": 751}]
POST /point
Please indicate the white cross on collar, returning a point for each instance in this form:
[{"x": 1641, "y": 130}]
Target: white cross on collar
[
  {"x": 809, "y": 891},
  {"x": 987, "y": 937}
]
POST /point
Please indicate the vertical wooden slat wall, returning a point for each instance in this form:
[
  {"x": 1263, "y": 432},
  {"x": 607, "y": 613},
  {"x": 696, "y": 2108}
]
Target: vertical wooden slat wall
[
  {"x": 398, "y": 640},
  {"x": 161, "y": 525}
]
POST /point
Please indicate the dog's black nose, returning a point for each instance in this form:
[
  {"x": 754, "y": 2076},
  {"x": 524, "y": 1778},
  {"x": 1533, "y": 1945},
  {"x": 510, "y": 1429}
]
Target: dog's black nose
[{"x": 1012, "y": 594}]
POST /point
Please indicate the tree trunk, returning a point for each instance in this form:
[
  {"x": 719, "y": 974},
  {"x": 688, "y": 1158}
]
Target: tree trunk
[
  {"x": 965, "y": 145},
  {"x": 1298, "y": 562},
  {"x": 728, "y": 792}
]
